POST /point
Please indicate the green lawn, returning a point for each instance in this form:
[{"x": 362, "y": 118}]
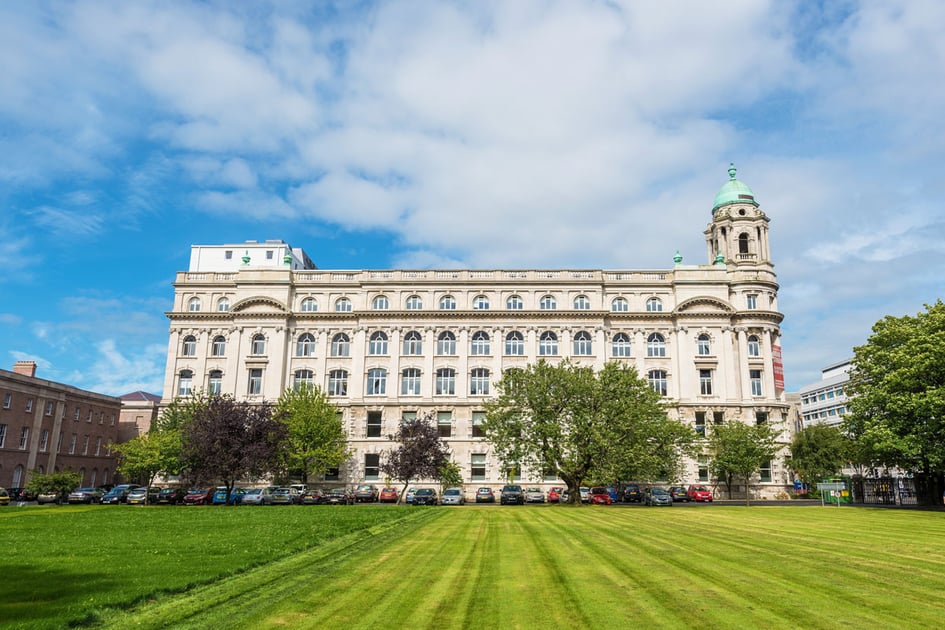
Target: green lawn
[{"x": 509, "y": 567}]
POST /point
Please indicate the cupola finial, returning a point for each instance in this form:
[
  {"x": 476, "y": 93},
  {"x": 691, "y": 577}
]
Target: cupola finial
[{"x": 731, "y": 171}]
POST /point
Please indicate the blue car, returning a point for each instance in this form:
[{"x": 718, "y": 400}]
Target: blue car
[{"x": 236, "y": 496}]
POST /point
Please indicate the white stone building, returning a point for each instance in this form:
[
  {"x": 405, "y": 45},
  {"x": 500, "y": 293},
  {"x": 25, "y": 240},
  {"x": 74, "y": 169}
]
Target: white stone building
[
  {"x": 825, "y": 401},
  {"x": 255, "y": 318}
]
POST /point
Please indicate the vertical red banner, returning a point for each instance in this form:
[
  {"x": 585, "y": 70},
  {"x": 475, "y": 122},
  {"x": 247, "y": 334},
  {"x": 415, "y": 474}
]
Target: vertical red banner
[{"x": 778, "y": 368}]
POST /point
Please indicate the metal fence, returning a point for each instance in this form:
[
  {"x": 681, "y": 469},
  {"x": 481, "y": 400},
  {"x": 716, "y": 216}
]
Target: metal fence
[{"x": 890, "y": 490}]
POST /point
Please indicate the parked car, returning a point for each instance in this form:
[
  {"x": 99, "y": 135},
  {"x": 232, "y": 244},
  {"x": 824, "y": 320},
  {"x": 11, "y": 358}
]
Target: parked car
[
  {"x": 389, "y": 495},
  {"x": 301, "y": 487},
  {"x": 236, "y": 496},
  {"x": 697, "y": 492},
  {"x": 409, "y": 498},
  {"x": 4, "y": 497},
  {"x": 365, "y": 493},
  {"x": 485, "y": 495},
  {"x": 85, "y": 495},
  {"x": 312, "y": 497},
  {"x": 511, "y": 495},
  {"x": 632, "y": 494},
  {"x": 339, "y": 496},
  {"x": 22, "y": 494},
  {"x": 171, "y": 496},
  {"x": 657, "y": 496},
  {"x": 256, "y": 496},
  {"x": 614, "y": 495},
  {"x": 453, "y": 496},
  {"x": 425, "y": 496},
  {"x": 679, "y": 493},
  {"x": 534, "y": 495},
  {"x": 285, "y": 496},
  {"x": 119, "y": 494},
  {"x": 137, "y": 496},
  {"x": 50, "y": 497},
  {"x": 199, "y": 496},
  {"x": 585, "y": 494},
  {"x": 598, "y": 495},
  {"x": 554, "y": 495}
]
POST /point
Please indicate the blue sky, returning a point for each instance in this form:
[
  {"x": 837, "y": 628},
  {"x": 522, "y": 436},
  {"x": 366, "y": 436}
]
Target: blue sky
[{"x": 571, "y": 134}]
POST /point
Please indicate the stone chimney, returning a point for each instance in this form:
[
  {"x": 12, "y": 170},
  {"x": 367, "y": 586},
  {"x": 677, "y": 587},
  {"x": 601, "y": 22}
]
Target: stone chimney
[{"x": 26, "y": 368}]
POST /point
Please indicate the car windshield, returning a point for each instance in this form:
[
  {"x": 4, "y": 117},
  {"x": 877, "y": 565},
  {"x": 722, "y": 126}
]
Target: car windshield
[
  {"x": 512, "y": 489},
  {"x": 598, "y": 491},
  {"x": 484, "y": 490},
  {"x": 424, "y": 491},
  {"x": 452, "y": 491},
  {"x": 700, "y": 489},
  {"x": 254, "y": 491},
  {"x": 657, "y": 491}
]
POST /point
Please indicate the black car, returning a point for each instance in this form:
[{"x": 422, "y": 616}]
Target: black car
[
  {"x": 366, "y": 493},
  {"x": 679, "y": 493},
  {"x": 425, "y": 496},
  {"x": 171, "y": 496},
  {"x": 512, "y": 495},
  {"x": 119, "y": 494},
  {"x": 632, "y": 494}
]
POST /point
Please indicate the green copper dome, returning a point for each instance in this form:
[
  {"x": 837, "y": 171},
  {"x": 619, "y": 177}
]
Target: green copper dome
[{"x": 733, "y": 191}]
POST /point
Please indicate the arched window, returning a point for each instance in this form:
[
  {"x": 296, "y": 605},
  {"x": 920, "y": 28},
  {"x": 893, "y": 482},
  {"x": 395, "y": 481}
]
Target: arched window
[
  {"x": 514, "y": 344},
  {"x": 446, "y": 343},
  {"x": 620, "y": 305},
  {"x": 218, "y": 348},
  {"x": 215, "y": 382},
  {"x": 480, "y": 343},
  {"x": 548, "y": 303},
  {"x": 338, "y": 383},
  {"x": 480, "y": 303},
  {"x": 621, "y": 345},
  {"x": 743, "y": 243},
  {"x": 548, "y": 344},
  {"x": 410, "y": 382},
  {"x": 413, "y": 343},
  {"x": 657, "y": 380},
  {"x": 414, "y": 303},
  {"x": 479, "y": 382},
  {"x": 343, "y": 305},
  {"x": 655, "y": 345},
  {"x": 702, "y": 345},
  {"x": 309, "y": 305},
  {"x": 654, "y": 305},
  {"x": 259, "y": 344},
  {"x": 582, "y": 344},
  {"x": 340, "y": 345},
  {"x": 193, "y": 305},
  {"x": 582, "y": 303},
  {"x": 447, "y": 303},
  {"x": 514, "y": 303},
  {"x": 185, "y": 383},
  {"x": 754, "y": 346},
  {"x": 305, "y": 347},
  {"x": 18, "y": 476},
  {"x": 376, "y": 382},
  {"x": 446, "y": 382},
  {"x": 189, "y": 348},
  {"x": 303, "y": 378},
  {"x": 378, "y": 343},
  {"x": 380, "y": 303},
  {"x": 223, "y": 305}
]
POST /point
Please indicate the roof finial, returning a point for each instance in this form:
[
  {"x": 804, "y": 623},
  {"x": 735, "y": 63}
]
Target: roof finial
[
  {"x": 731, "y": 171},
  {"x": 677, "y": 258},
  {"x": 720, "y": 259}
]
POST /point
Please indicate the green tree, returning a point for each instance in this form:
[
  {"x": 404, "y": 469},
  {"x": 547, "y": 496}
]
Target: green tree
[
  {"x": 450, "y": 475},
  {"x": 818, "y": 451},
  {"x": 577, "y": 424},
  {"x": 897, "y": 394},
  {"x": 145, "y": 457},
  {"x": 421, "y": 453},
  {"x": 58, "y": 483},
  {"x": 315, "y": 434},
  {"x": 738, "y": 450}
]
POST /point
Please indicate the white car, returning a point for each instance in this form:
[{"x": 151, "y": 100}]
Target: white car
[
  {"x": 534, "y": 495},
  {"x": 452, "y": 496}
]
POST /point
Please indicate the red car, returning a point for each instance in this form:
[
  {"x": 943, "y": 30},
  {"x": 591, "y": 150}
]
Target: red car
[
  {"x": 699, "y": 493},
  {"x": 388, "y": 495},
  {"x": 199, "y": 496},
  {"x": 600, "y": 496},
  {"x": 554, "y": 495}
]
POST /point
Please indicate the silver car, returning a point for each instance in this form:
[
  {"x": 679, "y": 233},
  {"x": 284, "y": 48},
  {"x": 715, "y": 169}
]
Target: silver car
[
  {"x": 452, "y": 496},
  {"x": 534, "y": 495}
]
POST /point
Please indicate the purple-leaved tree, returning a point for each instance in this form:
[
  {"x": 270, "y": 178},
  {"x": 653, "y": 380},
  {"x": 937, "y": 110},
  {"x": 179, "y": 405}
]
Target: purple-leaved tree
[{"x": 420, "y": 455}]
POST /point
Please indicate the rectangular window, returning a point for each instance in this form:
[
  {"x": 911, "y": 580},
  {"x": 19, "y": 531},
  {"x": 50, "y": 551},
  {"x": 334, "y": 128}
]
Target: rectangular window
[
  {"x": 49, "y": 407},
  {"x": 58, "y": 443},
  {"x": 477, "y": 419},
  {"x": 705, "y": 382},
  {"x": 101, "y": 417},
  {"x": 24, "y": 438},
  {"x": 228, "y": 254},
  {"x": 703, "y": 468},
  {"x": 445, "y": 382},
  {"x": 3, "y": 434},
  {"x": 444, "y": 423},
  {"x": 765, "y": 472},
  {"x": 410, "y": 382},
  {"x": 72, "y": 442},
  {"x": 112, "y": 420},
  {"x": 98, "y": 446},
  {"x": 761, "y": 417},
  {"x": 44, "y": 440},
  {"x": 331, "y": 474},
  {"x": 752, "y": 302},
  {"x": 374, "y": 424},
  {"x": 700, "y": 423},
  {"x": 78, "y": 412},
  {"x": 755, "y": 377},
  {"x": 29, "y": 405},
  {"x": 718, "y": 417},
  {"x": 377, "y": 382},
  {"x": 255, "y": 382},
  {"x": 268, "y": 254},
  {"x": 89, "y": 417},
  {"x": 7, "y": 400},
  {"x": 372, "y": 465},
  {"x": 477, "y": 467},
  {"x": 85, "y": 445}
]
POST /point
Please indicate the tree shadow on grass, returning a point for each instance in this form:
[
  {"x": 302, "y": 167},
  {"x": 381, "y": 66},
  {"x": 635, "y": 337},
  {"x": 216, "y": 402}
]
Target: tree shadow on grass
[{"x": 34, "y": 597}]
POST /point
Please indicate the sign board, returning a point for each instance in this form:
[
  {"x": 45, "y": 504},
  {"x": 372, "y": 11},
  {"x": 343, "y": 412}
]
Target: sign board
[
  {"x": 830, "y": 485},
  {"x": 778, "y": 366}
]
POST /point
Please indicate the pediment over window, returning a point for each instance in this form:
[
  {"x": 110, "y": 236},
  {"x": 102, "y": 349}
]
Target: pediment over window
[
  {"x": 258, "y": 304},
  {"x": 704, "y": 304}
]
